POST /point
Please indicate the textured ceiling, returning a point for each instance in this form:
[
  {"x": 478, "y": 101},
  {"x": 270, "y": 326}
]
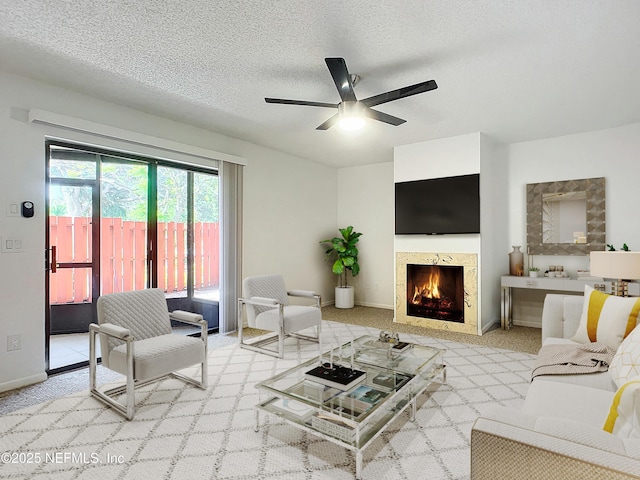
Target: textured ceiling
[{"x": 515, "y": 70}]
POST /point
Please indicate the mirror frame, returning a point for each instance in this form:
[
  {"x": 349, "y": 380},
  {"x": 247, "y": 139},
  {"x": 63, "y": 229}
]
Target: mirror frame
[{"x": 595, "y": 188}]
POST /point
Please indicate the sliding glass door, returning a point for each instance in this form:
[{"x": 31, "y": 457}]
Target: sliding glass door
[{"x": 117, "y": 222}]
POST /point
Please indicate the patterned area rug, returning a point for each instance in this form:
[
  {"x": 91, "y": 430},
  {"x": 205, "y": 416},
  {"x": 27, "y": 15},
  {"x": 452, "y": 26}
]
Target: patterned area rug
[{"x": 180, "y": 431}]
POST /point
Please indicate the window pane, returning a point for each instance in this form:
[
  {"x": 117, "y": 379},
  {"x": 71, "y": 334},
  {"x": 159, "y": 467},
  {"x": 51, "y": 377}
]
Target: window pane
[
  {"x": 172, "y": 231},
  {"x": 71, "y": 163},
  {"x": 70, "y": 285},
  {"x": 70, "y": 228},
  {"x": 206, "y": 237},
  {"x": 123, "y": 234}
]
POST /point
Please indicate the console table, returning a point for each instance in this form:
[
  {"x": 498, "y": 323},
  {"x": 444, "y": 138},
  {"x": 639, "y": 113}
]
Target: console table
[{"x": 508, "y": 282}]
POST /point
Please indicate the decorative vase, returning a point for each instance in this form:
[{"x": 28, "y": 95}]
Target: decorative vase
[
  {"x": 516, "y": 261},
  {"x": 344, "y": 297}
]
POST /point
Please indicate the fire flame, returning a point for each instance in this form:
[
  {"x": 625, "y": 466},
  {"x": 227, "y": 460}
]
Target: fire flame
[{"x": 428, "y": 289}]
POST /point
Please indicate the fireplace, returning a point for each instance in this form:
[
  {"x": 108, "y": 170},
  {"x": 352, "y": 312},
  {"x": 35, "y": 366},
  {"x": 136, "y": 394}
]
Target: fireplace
[{"x": 436, "y": 291}]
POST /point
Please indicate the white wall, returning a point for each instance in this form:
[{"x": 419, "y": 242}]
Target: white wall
[
  {"x": 494, "y": 228},
  {"x": 290, "y": 204},
  {"x": 611, "y": 153},
  {"x": 462, "y": 155},
  {"x": 366, "y": 201}
]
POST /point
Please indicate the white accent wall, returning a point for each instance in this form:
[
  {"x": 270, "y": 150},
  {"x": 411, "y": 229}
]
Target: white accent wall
[
  {"x": 289, "y": 205},
  {"x": 464, "y": 155}
]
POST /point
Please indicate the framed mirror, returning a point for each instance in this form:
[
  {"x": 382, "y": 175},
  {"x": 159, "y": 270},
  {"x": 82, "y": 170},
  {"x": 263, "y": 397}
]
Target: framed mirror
[{"x": 566, "y": 217}]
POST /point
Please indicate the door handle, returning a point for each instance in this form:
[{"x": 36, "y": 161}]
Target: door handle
[{"x": 54, "y": 260}]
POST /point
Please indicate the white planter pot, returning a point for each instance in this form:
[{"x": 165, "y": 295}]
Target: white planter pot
[
  {"x": 533, "y": 274},
  {"x": 344, "y": 297}
]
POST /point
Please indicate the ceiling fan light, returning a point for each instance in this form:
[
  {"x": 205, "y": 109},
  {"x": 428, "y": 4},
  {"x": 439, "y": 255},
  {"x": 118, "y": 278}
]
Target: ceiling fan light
[
  {"x": 351, "y": 122},
  {"x": 351, "y": 116}
]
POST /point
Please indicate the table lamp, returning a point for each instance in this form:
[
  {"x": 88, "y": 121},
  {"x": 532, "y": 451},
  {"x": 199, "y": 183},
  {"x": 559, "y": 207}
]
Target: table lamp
[{"x": 621, "y": 266}]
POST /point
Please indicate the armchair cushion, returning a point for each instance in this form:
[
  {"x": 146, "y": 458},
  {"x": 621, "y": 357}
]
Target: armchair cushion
[
  {"x": 268, "y": 301},
  {"x": 156, "y": 356},
  {"x": 143, "y": 312},
  {"x": 296, "y": 317}
]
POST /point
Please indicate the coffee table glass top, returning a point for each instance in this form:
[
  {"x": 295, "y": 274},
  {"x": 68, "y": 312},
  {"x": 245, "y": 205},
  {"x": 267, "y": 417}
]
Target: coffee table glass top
[{"x": 392, "y": 380}]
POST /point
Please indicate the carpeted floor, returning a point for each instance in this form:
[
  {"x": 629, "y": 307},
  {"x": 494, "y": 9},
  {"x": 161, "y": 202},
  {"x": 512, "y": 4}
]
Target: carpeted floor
[
  {"x": 520, "y": 339},
  {"x": 184, "y": 432}
]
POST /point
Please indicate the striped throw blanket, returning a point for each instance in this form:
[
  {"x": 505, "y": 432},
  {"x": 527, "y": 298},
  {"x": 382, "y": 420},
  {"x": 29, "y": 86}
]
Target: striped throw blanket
[{"x": 573, "y": 359}]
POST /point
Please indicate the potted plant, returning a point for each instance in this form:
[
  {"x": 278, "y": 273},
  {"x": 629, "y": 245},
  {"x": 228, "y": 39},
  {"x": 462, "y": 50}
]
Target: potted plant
[
  {"x": 343, "y": 253},
  {"x": 533, "y": 271}
]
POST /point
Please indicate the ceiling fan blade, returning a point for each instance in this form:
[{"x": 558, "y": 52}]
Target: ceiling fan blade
[
  {"x": 383, "y": 117},
  {"x": 342, "y": 79},
  {"x": 300, "y": 102},
  {"x": 400, "y": 93},
  {"x": 329, "y": 123}
]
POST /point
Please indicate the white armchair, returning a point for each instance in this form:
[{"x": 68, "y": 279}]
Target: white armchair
[
  {"x": 136, "y": 341},
  {"x": 267, "y": 307}
]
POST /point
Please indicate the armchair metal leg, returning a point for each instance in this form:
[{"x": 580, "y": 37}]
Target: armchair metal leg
[
  {"x": 128, "y": 409},
  {"x": 281, "y": 344}
]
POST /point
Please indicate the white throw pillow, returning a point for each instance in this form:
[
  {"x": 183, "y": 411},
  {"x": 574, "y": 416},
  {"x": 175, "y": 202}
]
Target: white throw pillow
[
  {"x": 624, "y": 416},
  {"x": 606, "y": 318},
  {"x": 626, "y": 362}
]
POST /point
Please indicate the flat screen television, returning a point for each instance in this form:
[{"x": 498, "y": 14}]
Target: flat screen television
[{"x": 438, "y": 206}]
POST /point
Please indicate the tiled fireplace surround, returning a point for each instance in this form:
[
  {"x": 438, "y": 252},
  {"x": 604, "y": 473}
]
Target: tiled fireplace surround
[{"x": 468, "y": 261}]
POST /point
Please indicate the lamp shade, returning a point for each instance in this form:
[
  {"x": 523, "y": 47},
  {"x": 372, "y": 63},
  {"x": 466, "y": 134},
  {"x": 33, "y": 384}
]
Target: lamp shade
[{"x": 619, "y": 265}]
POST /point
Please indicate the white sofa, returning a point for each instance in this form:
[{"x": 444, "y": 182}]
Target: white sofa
[{"x": 558, "y": 433}]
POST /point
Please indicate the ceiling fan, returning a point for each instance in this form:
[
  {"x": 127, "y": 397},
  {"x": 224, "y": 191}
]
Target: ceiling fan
[{"x": 350, "y": 106}]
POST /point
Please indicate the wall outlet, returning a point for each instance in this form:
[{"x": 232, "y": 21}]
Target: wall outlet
[{"x": 14, "y": 342}]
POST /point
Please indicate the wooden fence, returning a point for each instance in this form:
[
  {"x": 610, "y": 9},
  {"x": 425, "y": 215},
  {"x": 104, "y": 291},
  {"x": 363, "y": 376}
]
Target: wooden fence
[{"x": 123, "y": 257}]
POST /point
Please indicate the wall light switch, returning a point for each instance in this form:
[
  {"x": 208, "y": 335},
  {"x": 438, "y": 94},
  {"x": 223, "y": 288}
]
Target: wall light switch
[
  {"x": 11, "y": 245},
  {"x": 13, "y": 210},
  {"x": 14, "y": 342}
]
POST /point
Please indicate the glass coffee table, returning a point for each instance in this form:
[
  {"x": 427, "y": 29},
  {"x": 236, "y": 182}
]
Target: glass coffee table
[{"x": 390, "y": 382}]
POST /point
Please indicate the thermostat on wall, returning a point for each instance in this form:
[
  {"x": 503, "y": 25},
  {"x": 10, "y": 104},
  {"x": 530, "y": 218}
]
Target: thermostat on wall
[{"x": 27, "y": 209}]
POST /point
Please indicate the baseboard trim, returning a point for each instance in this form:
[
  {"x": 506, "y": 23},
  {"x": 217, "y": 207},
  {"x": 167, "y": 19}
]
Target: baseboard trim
[
  {"x": 23, "y": 382},
  {"x": 490, "y": 326},
  {"x": 375, "y": 305},
  {"x": 521, "y": 323},
  {"x": 362, "y": 304}
]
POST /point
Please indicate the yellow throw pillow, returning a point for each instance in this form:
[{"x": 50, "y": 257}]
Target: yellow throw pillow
[
  {"x": 626, "y": 362},
  {"x": 606, "y": 318},
  {"x": 624, "y": 416}
]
